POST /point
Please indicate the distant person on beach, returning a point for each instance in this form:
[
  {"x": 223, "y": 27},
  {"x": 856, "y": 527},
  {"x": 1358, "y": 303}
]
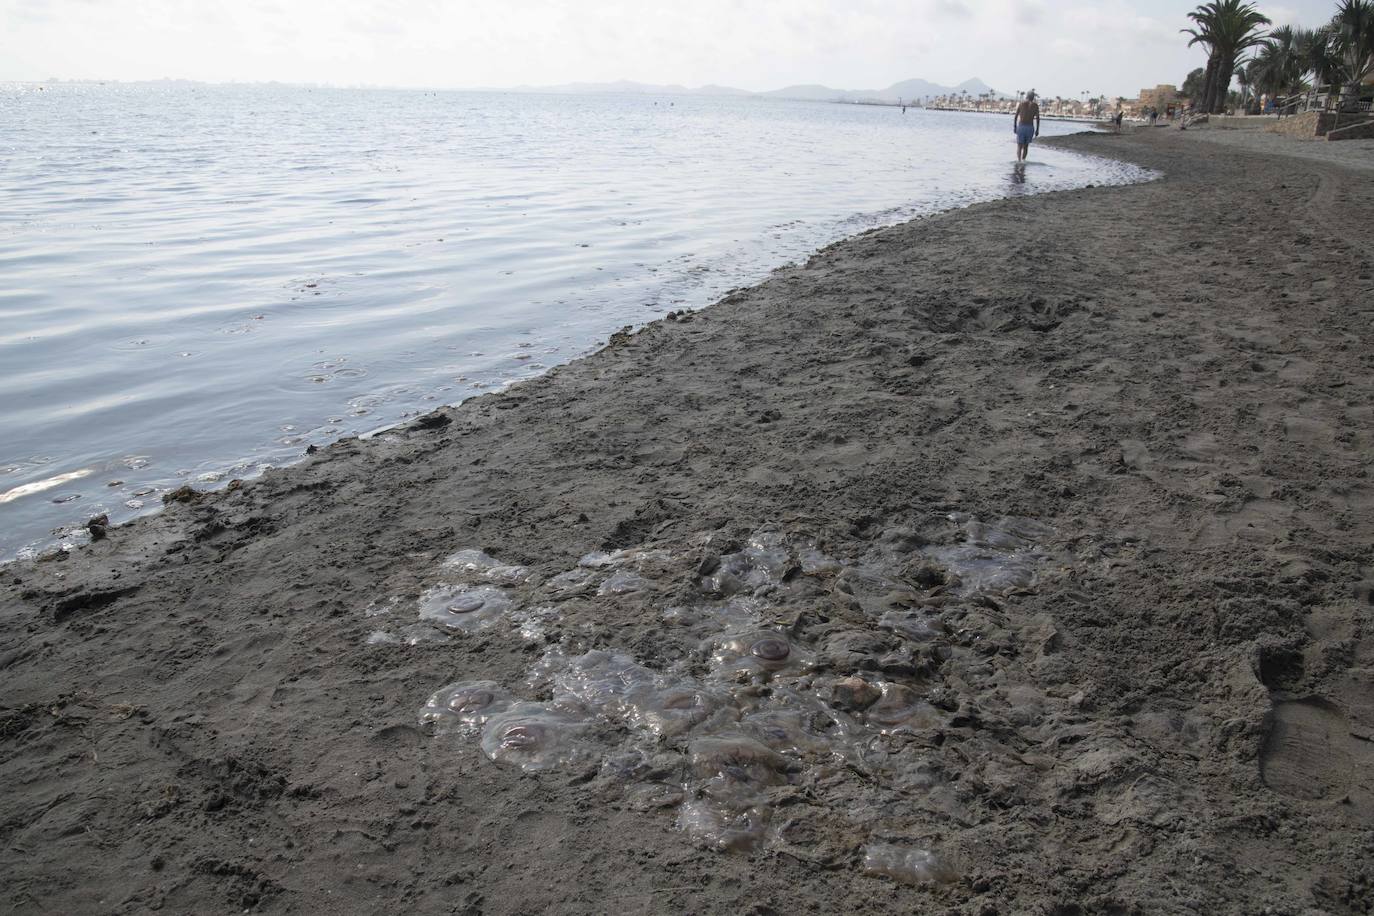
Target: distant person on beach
[{"x": 1026, "y": 125}]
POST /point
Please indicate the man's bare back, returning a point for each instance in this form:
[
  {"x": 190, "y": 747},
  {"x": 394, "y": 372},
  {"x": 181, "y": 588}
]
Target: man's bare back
[{"x": 1026, "y": 125}]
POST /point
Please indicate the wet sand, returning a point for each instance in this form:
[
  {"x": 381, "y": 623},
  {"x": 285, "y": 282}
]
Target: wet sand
[{"x": 1013, "y": 560}]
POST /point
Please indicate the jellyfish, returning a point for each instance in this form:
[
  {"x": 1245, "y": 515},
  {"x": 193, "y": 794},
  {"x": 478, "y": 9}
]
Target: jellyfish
[
  {"x": 463, "y": 607},
  {"x": 466, "y": 705},
  {"x": 536, "y": 736},
  {"x": 901, "y": 708},
  {"x": 759, "y": 653},
  {"x": 905, "y": 865}
]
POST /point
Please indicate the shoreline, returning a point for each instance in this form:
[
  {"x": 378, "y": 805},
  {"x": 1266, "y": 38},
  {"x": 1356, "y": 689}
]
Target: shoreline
[
  {"x": 208, "y": 474},
  {"x": 1168, "y": 694}
]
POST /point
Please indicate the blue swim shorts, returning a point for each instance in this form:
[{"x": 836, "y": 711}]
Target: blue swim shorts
[{"x": 1025, "y": 133}]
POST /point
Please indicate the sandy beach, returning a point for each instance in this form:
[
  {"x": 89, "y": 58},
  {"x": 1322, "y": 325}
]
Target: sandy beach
[{"x": 1015, "y": 560}]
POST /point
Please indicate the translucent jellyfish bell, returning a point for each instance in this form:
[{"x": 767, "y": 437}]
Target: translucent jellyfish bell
[
  {"x": 1008, "y": 533},
  {"x": 622, "y": 582},
  {"x": 724, "y": 826},
  {"x": 739, "y": 759},
  {"x": 571, "y": 581},
  {"x": 901, "y": 708},
  {"x": 763, "y": 562},
  {"x": 729, "y": 807},
  {"x": 996, "y": 558},
  {"x": 464, "y": 706},
  {"x": 737, "y": 613},
  {"x": 470, "y": 559},
  {"x": 816, "y": 563},
  {"x": 987, "y": 570},
  {"x": 678, "y": 707},
  {"x": 535, "y": 736},
  {"x": 915, "y": 626},
  {"x": 463, "y": 607},
  {"x": 760, "y": 653},
  {"x": 473, "y": 565},
  {"x": 905, "y": 864},
  {"x": 599, "y": 681}
]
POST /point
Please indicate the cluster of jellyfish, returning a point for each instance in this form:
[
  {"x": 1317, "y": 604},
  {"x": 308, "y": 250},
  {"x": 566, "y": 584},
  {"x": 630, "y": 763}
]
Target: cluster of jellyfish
[{"x": 744, "y": 706}]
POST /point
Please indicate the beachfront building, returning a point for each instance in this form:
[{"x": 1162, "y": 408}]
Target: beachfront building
[
  {"x": 1161, "y": 98},
  {"x": 964, "y": 101}
]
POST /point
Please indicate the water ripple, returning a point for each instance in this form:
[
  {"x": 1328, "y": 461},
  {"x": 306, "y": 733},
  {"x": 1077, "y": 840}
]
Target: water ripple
[{"x": 178, "y": 261}]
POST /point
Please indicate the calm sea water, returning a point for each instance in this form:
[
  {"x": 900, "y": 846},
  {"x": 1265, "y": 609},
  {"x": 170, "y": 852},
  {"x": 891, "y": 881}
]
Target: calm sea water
[{"x": 200, "y": 282}]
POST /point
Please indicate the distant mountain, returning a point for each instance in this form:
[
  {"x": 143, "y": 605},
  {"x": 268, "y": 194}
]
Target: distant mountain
[
  {"x": 907, "y": 90},
  {"x": 813, "y": 91},
  {"x": 917, "y": 89},
  {"x": 973, "y": 87},
  {"x": 712, "y": 89}
]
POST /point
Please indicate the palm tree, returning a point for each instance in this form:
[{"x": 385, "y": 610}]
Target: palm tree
[
  {"x": 1289, "y": 57},
  {"x": 1283, "y": 61},
  {"x": 1317, "y": 55},
  {"x": 1227, "y": 28},
  {"x": 1352, "y": 45},
  {"x": 1238, "y": 30},
  {"x": 1204, "y": 19},
  {"x": 1246, "y": 81}
]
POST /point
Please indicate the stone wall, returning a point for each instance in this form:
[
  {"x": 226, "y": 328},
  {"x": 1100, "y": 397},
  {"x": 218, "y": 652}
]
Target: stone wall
[
  {"x": 1308, "y": 125},
  {"x": 1361, "y": 131}
]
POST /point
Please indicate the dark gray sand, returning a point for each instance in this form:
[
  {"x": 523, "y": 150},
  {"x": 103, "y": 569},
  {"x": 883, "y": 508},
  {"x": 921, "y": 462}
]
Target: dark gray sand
[{"x": 1016, "y": 560}]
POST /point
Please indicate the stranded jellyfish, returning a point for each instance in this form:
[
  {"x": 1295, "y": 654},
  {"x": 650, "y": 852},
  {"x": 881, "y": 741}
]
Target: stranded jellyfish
[
  {"x": 463, "y": 607},
  {"x": 986, "y": 570},
  {"x": 770, "y": 649},
  {"x": 757, "y": 654},
  {"x": 901, "y": 709},
  {"x": 598, "y": 681},
  {"x": 674, "y": 709},
  {"x": 522, "y": 738},
  {"x": 723, "y": 826},
  {"x": 464, "y": 705},
  {"x": 738, "y": 760},
  {"x": 534, "y": 736},
  {"x": 904, "y": 864},
  {"x": 465, "y": 604},
  {"x": 915, "y": 626},
  {"x": 571, "y": 581},
  {"x": 729, "y": 808},
  {"x": 761, "y": 564},
  {"x": 616, "y": 687},
  {"x": 471, "y": 563},
  {"x": 623, "y": 582}
]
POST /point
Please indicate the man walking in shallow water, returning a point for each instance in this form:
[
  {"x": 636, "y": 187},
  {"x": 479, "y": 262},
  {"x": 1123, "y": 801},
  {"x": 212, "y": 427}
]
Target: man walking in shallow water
[{"x": 1026, "y": 125}]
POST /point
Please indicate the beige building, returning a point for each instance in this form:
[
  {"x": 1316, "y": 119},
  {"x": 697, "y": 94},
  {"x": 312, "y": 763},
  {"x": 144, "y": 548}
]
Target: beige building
[{"x": 1159, "y": 98}]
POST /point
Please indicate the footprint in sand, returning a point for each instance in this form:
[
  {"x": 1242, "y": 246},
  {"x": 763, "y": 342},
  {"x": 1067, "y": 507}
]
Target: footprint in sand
[{"x": 1303, "y": 753}]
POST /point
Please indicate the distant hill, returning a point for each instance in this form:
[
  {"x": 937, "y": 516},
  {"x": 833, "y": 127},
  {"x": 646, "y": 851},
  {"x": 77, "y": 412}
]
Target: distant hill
[
  {"x": 919, "y": 89},
  {"x": 808, "y": 91},
  {"x": 906, "y": 90},
  {"x": 974, "y": 87}
]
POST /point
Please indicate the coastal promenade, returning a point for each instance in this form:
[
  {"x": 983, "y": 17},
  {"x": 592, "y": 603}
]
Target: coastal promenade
[{"x": 1155, "y": 399}]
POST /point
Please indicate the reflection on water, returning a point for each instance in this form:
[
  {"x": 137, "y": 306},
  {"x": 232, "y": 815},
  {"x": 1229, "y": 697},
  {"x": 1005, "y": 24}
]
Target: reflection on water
[
  {"x": 1018, "y": 174},
  {"x": 201, "y": 281}
]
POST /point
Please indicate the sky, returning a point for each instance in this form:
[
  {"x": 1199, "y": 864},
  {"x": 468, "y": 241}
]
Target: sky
[{"x": 1112, "y": 47}]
